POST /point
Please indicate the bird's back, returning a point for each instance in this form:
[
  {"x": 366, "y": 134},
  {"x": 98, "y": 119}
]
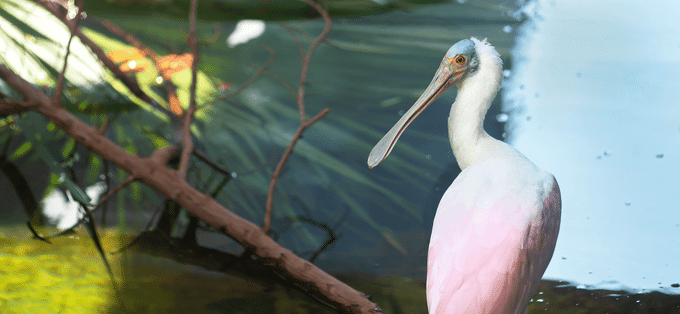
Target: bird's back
[{"x": 493, "y": 236}]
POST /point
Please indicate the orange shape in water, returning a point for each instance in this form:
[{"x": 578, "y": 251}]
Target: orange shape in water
[
  {"x": 135, "y": 66},
  {"x": 175, "y": 106},
  {"x": 125, "y": 54},
  {"x": 173, "y": 63}
]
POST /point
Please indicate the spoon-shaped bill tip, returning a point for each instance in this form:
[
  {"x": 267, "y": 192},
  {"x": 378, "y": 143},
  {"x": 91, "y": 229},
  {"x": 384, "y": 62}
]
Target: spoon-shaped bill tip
[{"x": 378, "y": 154}]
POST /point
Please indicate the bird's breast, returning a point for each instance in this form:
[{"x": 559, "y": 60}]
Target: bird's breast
[{"x": 488, "y": 230}]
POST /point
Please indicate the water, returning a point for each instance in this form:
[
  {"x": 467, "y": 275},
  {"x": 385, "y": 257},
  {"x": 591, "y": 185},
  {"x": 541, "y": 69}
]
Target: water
[
  {"x": 600, "y": 90},
  {"x": 607, "y": 125}
]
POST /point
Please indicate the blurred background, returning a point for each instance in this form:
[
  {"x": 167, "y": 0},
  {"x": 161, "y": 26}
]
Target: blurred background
[{"x": 590, "y": 94}]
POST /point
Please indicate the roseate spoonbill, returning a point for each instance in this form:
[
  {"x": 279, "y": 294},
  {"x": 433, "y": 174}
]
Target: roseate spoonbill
[{"x": 496, "y": 226}]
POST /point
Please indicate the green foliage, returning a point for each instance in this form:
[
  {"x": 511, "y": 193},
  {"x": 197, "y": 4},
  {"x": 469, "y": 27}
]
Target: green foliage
[
  {"x": 22, "y": 150},
  {"x": 31, "y": 129}
]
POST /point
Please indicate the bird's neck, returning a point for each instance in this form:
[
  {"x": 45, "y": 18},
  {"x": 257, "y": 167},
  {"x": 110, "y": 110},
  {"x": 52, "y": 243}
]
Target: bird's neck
[{"x": 469, "y": 141}]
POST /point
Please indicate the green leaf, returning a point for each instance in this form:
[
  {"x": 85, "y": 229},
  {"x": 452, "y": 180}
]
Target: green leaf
[
  {"x": 76, "y": 192},
  {"x": 31, "y": 127},
  {"x": 21, "y": 151},
  {"x": 68, "y": 148}
]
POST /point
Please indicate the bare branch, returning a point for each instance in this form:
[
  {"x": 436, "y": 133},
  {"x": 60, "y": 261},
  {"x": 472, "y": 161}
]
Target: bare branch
[
  {"x": 308, "y": 57},
  {"x": 160, "y": 156},
  {"x": 282, "y": 162},
  {"x": 10, "y": 107},
  {"x": 292, "y": 31},
  {"x": 219, "y": 168},
  {"x": 290, "y": 267},
  {"x": 316, "y": 118},
  {"x": 280, "y": 80},
  {"x": 127, "y": 181},
  {"x": 187, "y": 142},
  {"x": 218, "y": 31},
  {"x": 156, "y": 175},
  {"x": 193, "y": 44},
  {"x": 301, "y": 107},
  {"x": 260, "y": 72},
  {"x": 72, "y": 26}
]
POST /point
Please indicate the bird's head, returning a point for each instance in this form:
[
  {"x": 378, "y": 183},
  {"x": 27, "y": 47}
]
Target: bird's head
[{"x": 460, "y": 61}]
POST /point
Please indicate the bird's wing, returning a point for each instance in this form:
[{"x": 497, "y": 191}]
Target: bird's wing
[{"x": 492, "y": 239}]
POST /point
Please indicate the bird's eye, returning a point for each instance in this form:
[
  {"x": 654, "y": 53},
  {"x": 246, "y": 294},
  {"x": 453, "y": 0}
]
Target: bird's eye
[{"x": 460, "y": 60}]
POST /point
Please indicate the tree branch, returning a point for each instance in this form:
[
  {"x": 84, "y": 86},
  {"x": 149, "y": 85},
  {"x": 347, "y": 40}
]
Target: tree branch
[
  {"x": 10, "y": 107},
  {"x": 304, "y": 124},
  {"x": 115, "y": 190},
  {"x": 310, "y": 51},
  {"x": 187, "y": 142},
  {"x": 290, "y": 267},
  {"x": 72, "y": 25},
  {"x": 260, "y": 72}
]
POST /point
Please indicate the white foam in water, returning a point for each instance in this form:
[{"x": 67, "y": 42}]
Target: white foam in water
[
  {"x": 245, "y": 31},
  {"x": 63, "y": 211}
]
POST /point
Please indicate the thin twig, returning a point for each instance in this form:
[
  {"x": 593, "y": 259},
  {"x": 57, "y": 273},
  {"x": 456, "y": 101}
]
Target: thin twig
[
  {"x": 310, "y": 51},
  {"x": 304, "y": 123},
  {"x": 187, "y": 142},
  {"x": 277, "y": 172},
  {"x": 218, "y": 31},
  {"x": 127, "y": 181},
  {"x": 72, "y": 25},
  {"x": 161, "y": 156},
  {"x": 193, "y": 45},
  {"x": 260, "y": 72},
  {"x": 60, "y": 81},
  {"x": 212, "y": 164},
  {"x": 280, "y": 80},
  {"x": 292, "y": 31}
]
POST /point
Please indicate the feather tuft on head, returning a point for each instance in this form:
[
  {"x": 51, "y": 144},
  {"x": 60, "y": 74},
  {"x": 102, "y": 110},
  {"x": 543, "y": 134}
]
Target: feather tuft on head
[{"x": 484, "y": 48}]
